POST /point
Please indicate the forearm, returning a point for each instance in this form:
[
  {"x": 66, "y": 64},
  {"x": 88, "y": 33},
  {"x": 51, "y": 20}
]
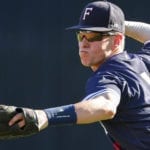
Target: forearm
[
  {"x": 137, "y": 30},
  {"x": 84, "y": 112},
  {"x": 93, "y": 111}
]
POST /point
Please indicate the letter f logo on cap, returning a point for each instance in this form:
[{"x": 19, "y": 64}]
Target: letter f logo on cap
[{"x": 87, "y": 12}]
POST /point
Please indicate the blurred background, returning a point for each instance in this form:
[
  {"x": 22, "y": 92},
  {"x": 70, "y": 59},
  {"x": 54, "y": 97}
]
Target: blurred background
[{"x": 40, "y": 67}]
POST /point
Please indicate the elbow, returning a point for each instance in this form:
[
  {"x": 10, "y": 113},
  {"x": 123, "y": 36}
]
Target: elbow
[
  {"x": 111, "y": 110},
  {"x": 109, "y": 113}
]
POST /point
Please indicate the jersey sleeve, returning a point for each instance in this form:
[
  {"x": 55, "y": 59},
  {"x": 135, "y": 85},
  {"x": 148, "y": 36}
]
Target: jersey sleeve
[
  {"x": 100, "y": 84},
  {"x": 144, "y": 53},
  {"x": 146, "y": 48}
]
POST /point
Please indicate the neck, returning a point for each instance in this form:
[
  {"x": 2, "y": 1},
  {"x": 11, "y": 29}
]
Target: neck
[{"x": 96, "y": 66}]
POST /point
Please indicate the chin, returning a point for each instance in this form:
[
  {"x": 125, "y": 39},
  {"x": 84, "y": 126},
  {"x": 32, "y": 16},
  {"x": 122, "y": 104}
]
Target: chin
[{"x": 85, "y": 64}]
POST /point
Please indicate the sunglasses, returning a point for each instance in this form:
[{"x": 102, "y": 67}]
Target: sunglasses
[{"x": 92, "y": 36}]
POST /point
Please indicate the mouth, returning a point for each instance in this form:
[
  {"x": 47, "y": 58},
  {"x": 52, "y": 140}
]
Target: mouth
[
  {"x": 84, "y": 56},
  {"x": 83, "y": 50}
]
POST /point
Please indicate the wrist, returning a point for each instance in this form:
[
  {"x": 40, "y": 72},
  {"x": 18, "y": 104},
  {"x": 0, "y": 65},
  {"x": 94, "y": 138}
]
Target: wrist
[{"x": 61, "y": 115}]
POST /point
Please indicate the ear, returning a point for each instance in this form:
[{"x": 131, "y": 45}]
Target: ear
[{"x": 117, "y": 40}]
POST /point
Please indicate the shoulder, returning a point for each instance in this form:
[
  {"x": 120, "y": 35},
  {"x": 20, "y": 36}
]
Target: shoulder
[
  {"x": 144, "y": 54},
  {"x": 146, "y": 46},
  {"x": 102, "y": 81}
]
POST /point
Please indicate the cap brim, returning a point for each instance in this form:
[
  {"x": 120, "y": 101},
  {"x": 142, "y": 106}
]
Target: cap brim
[{"x": 100, "y": 29}]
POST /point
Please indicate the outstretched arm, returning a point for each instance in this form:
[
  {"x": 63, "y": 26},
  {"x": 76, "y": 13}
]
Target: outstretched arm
[
  {"x": 102, "y": 107},
  {"x": 137, "y": 30},
  {"x": 25, "y": 121}
]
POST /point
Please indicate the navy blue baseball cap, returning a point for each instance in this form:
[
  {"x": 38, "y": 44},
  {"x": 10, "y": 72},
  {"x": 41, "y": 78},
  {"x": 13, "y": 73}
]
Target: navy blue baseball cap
[{"x": 101, "y": 16}]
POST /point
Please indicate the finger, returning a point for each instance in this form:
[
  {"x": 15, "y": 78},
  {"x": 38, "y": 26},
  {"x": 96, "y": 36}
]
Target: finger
[
  {"x": 21, "y": 123},
  {"x": 17, "y": 118}
]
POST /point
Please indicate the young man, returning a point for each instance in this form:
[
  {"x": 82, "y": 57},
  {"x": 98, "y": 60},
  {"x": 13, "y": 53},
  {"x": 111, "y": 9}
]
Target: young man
[{"x": 117, "y": 93}]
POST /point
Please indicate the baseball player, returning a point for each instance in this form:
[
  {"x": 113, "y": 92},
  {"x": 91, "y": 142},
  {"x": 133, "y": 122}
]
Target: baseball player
[{"x": 117, "y": 93}]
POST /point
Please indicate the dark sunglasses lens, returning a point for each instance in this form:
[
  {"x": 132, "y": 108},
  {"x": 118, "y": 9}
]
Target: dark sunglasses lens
[
  {"x": 97, "y": 37},
  {"x": 91, "y": 37}
]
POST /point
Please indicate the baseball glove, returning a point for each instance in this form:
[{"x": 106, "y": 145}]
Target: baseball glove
[{"x": 32, "y": 123}]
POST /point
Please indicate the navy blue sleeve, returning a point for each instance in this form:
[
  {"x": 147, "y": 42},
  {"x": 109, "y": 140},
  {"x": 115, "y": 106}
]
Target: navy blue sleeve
[
  {"x": 101, "y": 83},
  {"x": 146, "y": 48},
  {"x": 145, "y": 54}
]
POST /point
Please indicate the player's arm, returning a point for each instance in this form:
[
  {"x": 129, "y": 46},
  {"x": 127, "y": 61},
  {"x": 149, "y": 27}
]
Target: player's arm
[
  {"x": 25, "y": 121},
  {"x": 139, "y": 31},
  {"x": 102, "y": 107}
]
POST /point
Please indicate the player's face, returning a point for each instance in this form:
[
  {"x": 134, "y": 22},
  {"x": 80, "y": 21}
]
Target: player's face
[{"x": 93, "y": 50}]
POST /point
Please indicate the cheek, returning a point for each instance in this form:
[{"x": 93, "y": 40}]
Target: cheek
[
  {"x": 98, "y": 54},
  {"x": 97, "y": 50}
]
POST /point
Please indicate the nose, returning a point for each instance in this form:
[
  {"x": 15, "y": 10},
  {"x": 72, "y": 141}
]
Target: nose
[{"x": 84, "y": 43}]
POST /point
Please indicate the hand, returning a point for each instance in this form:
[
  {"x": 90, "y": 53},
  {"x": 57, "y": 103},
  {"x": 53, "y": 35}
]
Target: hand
[
  {"x": 20, "y": 119},
  {"x": 20, "y": 122}
]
